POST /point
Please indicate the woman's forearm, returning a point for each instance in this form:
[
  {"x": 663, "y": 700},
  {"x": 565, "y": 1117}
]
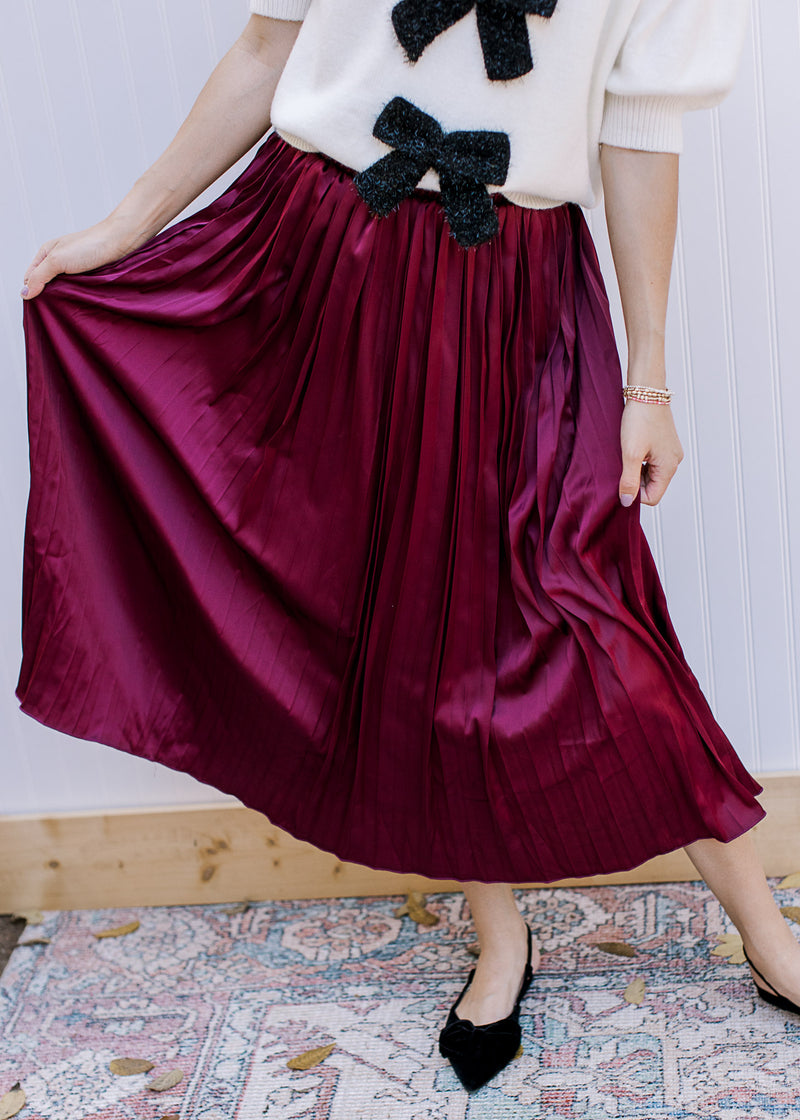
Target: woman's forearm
[
  {"x": 641, "y": 205},
  {"x": 230, "y": 114}
]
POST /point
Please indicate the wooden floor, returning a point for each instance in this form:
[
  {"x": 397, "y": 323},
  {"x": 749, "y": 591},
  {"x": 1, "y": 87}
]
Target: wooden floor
[{"x": 226, "y": 853}]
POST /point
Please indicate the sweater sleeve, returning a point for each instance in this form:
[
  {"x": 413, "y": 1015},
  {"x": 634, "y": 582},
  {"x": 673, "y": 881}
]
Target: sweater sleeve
[
  {"x": 677, "y": 55},
  {"x": 280, "y": 9}
]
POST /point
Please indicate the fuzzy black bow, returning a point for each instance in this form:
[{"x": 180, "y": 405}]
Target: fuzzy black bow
[
  {"x": 501, "y": 25},
  {"x": 465, "y": 162}
]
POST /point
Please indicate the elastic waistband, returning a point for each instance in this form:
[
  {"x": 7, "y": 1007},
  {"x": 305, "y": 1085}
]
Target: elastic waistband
[{"x": 497, "y": 197}]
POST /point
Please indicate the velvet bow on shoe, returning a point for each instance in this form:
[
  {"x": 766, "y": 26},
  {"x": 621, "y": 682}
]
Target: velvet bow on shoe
[{"x": 477, "y": 1053}]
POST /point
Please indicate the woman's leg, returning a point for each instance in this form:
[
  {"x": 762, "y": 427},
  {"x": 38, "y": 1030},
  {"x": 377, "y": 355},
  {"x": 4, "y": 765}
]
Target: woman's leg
[
  {"x": 734, "y": 873},
  {"x": 504, "y": 948}
]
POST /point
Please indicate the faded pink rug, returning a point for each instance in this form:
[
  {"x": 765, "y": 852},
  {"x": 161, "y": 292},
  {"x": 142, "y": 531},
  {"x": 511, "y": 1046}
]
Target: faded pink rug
[{"x": 228, "y": 999}]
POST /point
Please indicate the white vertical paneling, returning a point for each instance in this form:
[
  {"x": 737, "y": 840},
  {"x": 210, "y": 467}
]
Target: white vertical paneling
[
  {"x": 741, "y": 703},
  {"x": 91, "y": 91},
  {"x": 769, "y": 51},
  {"x": 90, "y": 94}
]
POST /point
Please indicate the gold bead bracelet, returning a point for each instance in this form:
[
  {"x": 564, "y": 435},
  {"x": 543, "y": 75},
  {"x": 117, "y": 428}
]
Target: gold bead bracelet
[{"x": 647, "y": 394}]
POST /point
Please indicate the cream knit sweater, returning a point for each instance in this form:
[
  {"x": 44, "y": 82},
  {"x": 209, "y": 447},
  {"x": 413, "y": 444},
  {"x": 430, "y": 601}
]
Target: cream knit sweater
[{"x": 618, "y": 72}]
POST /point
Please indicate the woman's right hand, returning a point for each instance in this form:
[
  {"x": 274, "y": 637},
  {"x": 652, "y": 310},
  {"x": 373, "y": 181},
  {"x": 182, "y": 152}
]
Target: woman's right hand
[{"x": 77, "y": 252}]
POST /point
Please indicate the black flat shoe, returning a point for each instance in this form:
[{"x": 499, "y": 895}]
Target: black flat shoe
[
  {"x": 771, "y": 997},
  {"x": 478, "y": 1053}
]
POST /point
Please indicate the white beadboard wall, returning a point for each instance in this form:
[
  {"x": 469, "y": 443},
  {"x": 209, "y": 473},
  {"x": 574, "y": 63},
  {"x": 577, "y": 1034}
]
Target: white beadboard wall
[{"x": 91, "y": 91}]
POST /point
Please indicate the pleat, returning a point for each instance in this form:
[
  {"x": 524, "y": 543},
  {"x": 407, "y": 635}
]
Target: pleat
[{"x": 324, "y": 512}]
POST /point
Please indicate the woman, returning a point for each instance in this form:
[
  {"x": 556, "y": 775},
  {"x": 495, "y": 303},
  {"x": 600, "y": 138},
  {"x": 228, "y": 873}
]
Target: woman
[{"x": 334, "y": 489}]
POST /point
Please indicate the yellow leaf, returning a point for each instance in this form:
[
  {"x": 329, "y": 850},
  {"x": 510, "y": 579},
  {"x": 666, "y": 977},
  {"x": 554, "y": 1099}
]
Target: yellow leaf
[
  {"x": 12, "y": 1101},
  {"x": 171, "y": 1116},
  {"x": 414, "y": 906},
  {"x": 792, "y": 913},
  {"x": 519, "y": 1053},
  {"x": 731, "y": 946},
  {"x": 118, "y": 931},
  {"x": 616, "y": 948},
  {"x": 634, "y": 993},
  {"x": 125, "y": 1066},
  {"x": 792, "y": 880},
  {"x": 32, "y": 917},
  {"x": 166, "y": 1080},
  {"x": 420, "y": 915},
  {"x": 310, "y": 1058},
  {"x": 412, "y": 896}
]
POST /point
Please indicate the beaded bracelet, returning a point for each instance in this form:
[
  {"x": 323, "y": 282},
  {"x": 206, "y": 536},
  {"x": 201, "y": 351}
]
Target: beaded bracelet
[{"x": 647, "y": 394}]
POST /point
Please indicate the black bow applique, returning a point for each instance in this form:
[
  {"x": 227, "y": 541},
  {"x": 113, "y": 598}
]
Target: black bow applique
[
  {"x": 464, "y": 161},
  {"x": 501, "y": 25}
]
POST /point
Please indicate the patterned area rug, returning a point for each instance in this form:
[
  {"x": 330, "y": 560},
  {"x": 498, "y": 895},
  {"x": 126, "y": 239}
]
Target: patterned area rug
[{"x": 229, "y": 998}]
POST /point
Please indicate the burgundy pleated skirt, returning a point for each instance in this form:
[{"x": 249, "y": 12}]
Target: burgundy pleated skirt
[{"x": 324, "y": 512}]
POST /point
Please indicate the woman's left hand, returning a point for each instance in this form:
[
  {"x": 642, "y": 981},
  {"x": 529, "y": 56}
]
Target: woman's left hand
[{"x": 648, "y": 436}]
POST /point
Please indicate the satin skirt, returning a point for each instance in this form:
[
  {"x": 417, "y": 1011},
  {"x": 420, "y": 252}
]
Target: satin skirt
[{"x": 323, "y": 512}]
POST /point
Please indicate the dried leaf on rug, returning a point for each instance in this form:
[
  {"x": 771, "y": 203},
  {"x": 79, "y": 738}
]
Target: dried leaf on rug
[
  {"x": 792, "y": 913},
  {"x": 32, "y": 917},
  {"x": 238, "y": 908},
  {"x": 166, "y": 1080},
  {"x": 118, "y": 931},
  {"x": 33, "y": 941},
  {"x": 414, "y": 906},
  {"x": 792, "y": 880},
  {"x": 12, "y": 1101},
  {"x": 310, "y": 1058},
  {"x": 474, "y": 948},
  {"x": 731, "y": 946},
  {"x": 616, "y": 948},
  {"x": 412, "y": 897},
  {"x": 519, "y": 1053},
  {"x": 126, "y": 1066},
  {"x": 634, "y": 993}
]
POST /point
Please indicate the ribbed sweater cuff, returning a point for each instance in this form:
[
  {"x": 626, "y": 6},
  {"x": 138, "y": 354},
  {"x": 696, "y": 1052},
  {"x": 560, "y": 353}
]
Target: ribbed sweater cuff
[
  {"x": 280, "y": 9},
  {"x": 651, "y": 124}
]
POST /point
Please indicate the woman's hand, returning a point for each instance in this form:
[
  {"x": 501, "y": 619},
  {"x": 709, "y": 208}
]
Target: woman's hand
[
  {"x": 77, "y": 252},
  {"x": 647, "y": 434},
  {"x": 641, "y": 201}
]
